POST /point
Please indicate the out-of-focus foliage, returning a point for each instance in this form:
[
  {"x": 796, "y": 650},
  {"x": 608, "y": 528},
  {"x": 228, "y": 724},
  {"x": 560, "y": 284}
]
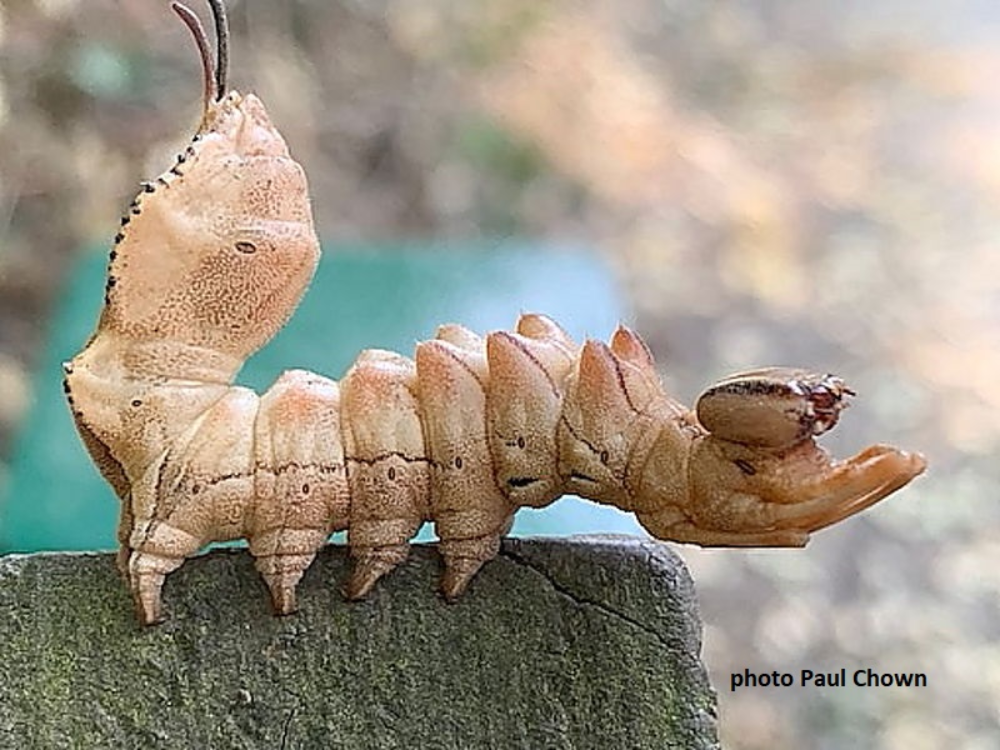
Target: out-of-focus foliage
[{"x": 807, "y": 183}]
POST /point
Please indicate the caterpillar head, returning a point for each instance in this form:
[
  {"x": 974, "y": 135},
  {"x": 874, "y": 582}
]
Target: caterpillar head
[
  {"x": 217, "y": 251},
  {"x": 748, "y": 474},
  {"x": 759, "y": 471}
]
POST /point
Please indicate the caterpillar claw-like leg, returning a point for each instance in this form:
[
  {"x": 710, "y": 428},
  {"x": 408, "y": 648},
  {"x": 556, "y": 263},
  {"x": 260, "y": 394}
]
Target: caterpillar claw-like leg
[
  {"x": 754, "y": 496},
  {"x": 847, "y": 488},
  {"x": 757, "y": 476}
]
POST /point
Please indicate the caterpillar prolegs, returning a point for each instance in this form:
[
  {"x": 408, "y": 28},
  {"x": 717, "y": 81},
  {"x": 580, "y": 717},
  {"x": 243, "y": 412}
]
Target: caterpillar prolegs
[{"x": 210, "y": 262}]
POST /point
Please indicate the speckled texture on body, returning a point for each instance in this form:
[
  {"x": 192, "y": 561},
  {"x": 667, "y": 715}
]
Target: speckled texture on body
[{"x": 591, "y": 642}]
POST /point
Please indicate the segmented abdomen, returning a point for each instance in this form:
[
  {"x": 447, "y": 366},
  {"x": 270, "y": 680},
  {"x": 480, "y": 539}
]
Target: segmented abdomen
[{"x": 463, "y": 435}]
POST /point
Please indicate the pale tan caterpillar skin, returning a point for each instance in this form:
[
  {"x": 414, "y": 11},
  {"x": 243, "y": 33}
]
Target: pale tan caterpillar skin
[{"x": 211, "y": 261}]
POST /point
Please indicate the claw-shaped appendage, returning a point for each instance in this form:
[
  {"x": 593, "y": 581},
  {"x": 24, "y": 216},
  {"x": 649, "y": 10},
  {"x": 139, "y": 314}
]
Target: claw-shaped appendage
[{"x": 758, "y": 478}]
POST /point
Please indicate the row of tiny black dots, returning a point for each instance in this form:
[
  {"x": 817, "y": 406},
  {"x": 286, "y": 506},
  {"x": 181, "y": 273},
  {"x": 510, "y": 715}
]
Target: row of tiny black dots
[
  {"x": 67, "y": 371},
  {"x": 69, "y": 394},
  {"x": 135, "y": 208}
]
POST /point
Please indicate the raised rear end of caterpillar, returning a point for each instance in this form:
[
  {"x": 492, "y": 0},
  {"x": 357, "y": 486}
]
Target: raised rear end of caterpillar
[{"x": 212, "y": 259}]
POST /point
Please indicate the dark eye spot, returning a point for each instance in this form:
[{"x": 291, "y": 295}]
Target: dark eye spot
[
  {"x": 745, "y": 466},
  {"x": 520, "y": 443},
  {"x": 391, "y": 473},
  {"x": 605, "y": 456},
  {"x": 458, "y": 462},
  {"x": 247, "y": 248},
  {"x": 136, "y": 402}
]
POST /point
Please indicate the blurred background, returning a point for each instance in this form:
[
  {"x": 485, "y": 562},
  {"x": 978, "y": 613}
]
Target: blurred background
[{"x": 768, "y": 182}]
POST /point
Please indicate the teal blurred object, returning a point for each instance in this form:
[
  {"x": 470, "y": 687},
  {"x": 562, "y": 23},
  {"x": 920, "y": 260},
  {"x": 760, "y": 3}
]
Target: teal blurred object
[{"x": 362, "y": 297}]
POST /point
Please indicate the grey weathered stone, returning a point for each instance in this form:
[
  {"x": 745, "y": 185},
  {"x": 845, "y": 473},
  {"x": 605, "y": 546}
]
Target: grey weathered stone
[{"x": 585, "y": 643}]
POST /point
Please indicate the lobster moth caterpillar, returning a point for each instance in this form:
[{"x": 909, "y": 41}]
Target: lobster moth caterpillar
[{"x": 212, "y": 259}]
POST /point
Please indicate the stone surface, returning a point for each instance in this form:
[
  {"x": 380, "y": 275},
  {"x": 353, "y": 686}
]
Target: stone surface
[{"x": 591, "y": 642}]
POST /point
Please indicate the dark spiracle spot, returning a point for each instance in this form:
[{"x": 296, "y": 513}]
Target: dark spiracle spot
[
  {"x": 391, "y": 473},
  {"x": 305, "y": 489},
  {"x": 247, "y": 248},
  {"x": 458, "y": 462},
  {"x": 520, "y": 443},
  {"x": 136, "y": 402},
  {"x": 745, "y": 466},
  {"x": 605, "y": 456},
  {"x": 518, "y": 482},
  {"x": 195, "y": 489}
]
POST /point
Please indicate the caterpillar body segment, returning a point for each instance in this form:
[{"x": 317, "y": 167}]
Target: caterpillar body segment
[
  {"x": 528, "y": 370},
  {"x": 389, "y": 472},
  {"x": 301, "y": 492},
  {"x": 211, "y": 260}
]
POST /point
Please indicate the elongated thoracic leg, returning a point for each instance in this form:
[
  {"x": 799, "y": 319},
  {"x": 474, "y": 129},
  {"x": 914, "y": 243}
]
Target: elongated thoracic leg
[
  {"x": 846, "y": 488},
  {"x": 742, "y": 496}
]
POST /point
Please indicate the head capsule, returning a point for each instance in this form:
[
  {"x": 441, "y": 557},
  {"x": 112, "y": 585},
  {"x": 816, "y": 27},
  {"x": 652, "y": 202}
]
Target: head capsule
[{"x": 775, "y": 407}]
